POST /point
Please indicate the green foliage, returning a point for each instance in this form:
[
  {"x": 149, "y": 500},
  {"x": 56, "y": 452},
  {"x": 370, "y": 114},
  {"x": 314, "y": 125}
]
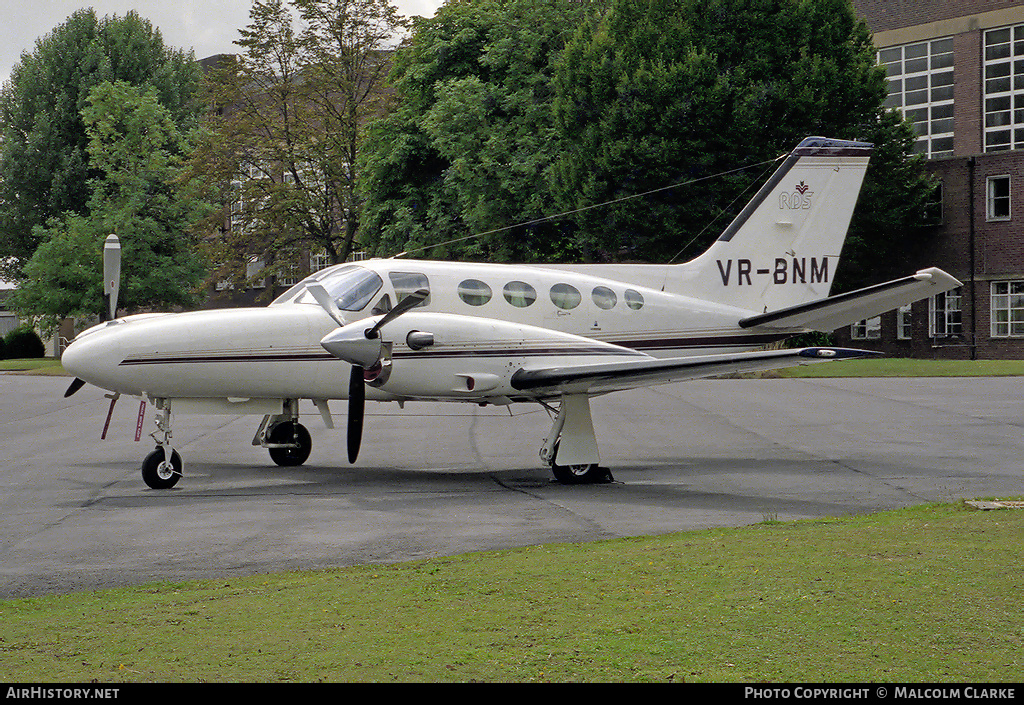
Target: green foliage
[
  {"x": 300, "y": 93},
  {"x": 511, "y": 111},
  {"x": 45, "y": 168},
  {"x": 657, "y": 92},
  {"x": 136, "y": 147},
  {"x": 470, "y": 147},
  {"x": 21, "y": 343}
]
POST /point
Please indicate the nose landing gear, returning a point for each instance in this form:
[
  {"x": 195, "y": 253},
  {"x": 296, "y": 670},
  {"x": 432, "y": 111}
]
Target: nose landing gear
[{"x": 162, "y": 468}]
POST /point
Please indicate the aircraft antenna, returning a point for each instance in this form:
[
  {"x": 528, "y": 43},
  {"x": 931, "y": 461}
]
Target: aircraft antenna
[{"x": 545, "y": 219}]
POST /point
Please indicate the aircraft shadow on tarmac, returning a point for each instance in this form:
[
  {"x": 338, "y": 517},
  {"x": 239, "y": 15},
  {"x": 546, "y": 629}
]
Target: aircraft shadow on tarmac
[{"x": 694, "y": 485}]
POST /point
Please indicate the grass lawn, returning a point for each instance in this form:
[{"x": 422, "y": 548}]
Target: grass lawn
[
  {"x": 37, "y": 365},
  {"x": 928, "y": 594},
  {"x": 907, "y": 367}
]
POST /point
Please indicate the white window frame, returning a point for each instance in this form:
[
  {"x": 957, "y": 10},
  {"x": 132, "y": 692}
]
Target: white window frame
[
  {"x": 945, "y": 314},
  {"x": 992, "y": 213},
  {"x": 921, "y": 79},
  {"x": 318, "y": 260},
  {"x": 1003, "y": 88},
  {"x": 904, "y": 322},
  {"x": 867, "y": 329},
  {"x": 1007, "y": 308}
]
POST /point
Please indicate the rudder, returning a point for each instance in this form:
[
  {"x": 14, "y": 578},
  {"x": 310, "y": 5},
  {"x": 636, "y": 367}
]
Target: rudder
[{"x": 783, "y": 248}]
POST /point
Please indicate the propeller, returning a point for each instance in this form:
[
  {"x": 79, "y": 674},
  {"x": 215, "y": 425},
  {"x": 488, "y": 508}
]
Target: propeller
[
  {"x": 363, "y": 348},
  {"x": 111, "y": 287},
  {"x": 356, "y": 405},
  {"x": 75, "y": 386},
  {"x": 111, "y": 276}
]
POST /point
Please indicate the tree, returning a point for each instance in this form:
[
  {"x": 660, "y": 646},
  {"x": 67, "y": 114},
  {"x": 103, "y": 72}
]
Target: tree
[
  {"x": 657, "y": 92},
  {"x": 45, "y": 170},
  {"x": 137, "y": 148},
  {"x": 284, "y": 143},
  {"x": 469, "y": 149},
  {"x": 512, "y": 110}
]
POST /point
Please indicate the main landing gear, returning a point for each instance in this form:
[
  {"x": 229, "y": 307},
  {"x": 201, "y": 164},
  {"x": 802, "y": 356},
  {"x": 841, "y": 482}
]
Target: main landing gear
[
  {"x": 571, "y": 446},
  {"x": 284, "y": 437}
]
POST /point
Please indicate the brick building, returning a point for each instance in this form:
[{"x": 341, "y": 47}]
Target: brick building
[{"x": 956, "y": 70}]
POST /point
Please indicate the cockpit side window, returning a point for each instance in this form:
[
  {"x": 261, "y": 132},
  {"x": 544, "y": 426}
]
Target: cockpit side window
[
  {"x": 407, "y": 283},
  {"x": 351, "y": 287}
]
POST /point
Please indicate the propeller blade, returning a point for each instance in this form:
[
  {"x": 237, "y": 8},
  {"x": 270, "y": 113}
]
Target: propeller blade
[
  {"x": 356, "y": 405},
  {"x": 111, "y": 276},
  {"x": 75, "y": 386},
  {"x": 411, "y": 301},
  {"x": 326, "y": 302}
]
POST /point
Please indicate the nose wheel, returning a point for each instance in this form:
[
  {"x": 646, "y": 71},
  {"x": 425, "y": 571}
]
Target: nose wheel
[{"x": 160, "y": 474}]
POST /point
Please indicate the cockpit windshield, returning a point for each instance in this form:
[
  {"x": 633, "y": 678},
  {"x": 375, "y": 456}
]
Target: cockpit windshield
[{"x": 350, "y": 286}]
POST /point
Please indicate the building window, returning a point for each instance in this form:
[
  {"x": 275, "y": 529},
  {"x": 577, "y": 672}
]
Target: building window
[
  {"x": 944, "y": 314},
  {"x": 1008, "y": 309},
  {"x": 997, "y": 198},
  {"x": 253, "y": 266},
  {"x": 318, "y": 260},
  {"x": 1004, "y": 88},
  {"x": 933, "y": 213},
  {"x": 904, "y": 323},
  {"x": 921, "y": 87},
  {"x": 868, "y": 329}
]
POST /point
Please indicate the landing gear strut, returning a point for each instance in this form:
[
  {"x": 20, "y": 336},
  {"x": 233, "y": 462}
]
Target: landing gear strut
[
  {"x": 162, "y": 468},
  {"x": 571, "y": 447},
  {"x": 284, "y": 437}
]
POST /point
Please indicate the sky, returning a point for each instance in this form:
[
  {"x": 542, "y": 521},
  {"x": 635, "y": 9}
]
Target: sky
[{"x": 206, "y": 26}]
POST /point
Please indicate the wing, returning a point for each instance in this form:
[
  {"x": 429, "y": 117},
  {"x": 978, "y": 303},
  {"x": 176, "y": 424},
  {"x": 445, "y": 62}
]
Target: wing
[
  {"x": 616, "y": 376},
  {"x": 846, "y": 309}
]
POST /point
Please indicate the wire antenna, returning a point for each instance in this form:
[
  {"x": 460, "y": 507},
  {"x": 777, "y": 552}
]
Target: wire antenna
[{"x": 596, "y": 205}]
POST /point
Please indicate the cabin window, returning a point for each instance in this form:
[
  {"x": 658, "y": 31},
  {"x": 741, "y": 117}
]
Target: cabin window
[
  {"x": 474, "y": 292},
  {"x": 634, "y": 299},
  {"x": 519, "y": 294},
  {"x": 565, "y": 296},
  {"x": 604, "y": 297},
  {"x": 407, "y": 283}
]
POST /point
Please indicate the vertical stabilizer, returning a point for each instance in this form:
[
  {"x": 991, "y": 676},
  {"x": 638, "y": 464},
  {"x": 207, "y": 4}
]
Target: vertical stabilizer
[{"x": 783, "y": 248}]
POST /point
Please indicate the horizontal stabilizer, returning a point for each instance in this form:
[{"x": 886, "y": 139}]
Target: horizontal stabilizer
[
  {"x": 614, "y": 376},
  {"x": 846, "y": 309}
]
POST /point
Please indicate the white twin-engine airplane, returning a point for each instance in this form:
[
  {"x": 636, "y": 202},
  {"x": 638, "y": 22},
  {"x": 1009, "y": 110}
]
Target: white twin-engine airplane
[{"x": 403, "y": 330}]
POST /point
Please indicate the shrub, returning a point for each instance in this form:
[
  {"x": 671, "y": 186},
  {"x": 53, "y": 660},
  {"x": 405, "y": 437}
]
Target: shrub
[{"x": 23, "y": 343}]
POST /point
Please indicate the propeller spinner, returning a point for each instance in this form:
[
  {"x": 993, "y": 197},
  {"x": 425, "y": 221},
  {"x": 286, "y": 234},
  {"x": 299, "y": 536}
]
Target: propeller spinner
[{"x": 361, "y": 346}]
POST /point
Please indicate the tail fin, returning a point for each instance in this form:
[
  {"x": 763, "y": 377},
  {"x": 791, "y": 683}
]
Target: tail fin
[{"x": 783, "y": 248}]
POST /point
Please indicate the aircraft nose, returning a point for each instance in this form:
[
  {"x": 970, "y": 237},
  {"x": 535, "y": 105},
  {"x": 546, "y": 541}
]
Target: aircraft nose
[{"x": 92, "y": 357}]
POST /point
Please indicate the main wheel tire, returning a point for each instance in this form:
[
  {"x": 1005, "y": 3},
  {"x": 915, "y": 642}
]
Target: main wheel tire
[
  {"x": 157, "y": 474},
  {"x": 578, "y": 474},
  {"x": 290, "y": 432}
]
